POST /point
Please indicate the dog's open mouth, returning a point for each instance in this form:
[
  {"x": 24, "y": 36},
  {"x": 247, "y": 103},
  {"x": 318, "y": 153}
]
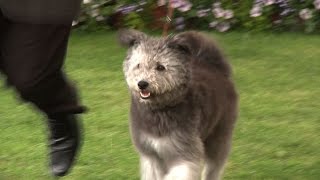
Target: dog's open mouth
[{"x": 145, "y": 94}]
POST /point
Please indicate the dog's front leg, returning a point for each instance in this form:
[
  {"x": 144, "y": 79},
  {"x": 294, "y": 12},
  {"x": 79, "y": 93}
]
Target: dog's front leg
[
  {"x": 150, "y": 168},
  {"x": 184, "y": 171}
]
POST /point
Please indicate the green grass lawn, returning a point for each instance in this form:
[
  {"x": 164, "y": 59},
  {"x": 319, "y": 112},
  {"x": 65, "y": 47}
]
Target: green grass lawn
[{"x": 277, "y": 135}]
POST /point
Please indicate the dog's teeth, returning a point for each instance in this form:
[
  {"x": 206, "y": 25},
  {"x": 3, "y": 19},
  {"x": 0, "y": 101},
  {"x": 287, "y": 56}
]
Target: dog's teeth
[{"x": 145, "y": 94}]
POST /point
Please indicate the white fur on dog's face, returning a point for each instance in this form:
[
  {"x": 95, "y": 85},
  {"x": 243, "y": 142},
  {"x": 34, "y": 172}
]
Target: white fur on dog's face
[{"x": 163, "y": 68}]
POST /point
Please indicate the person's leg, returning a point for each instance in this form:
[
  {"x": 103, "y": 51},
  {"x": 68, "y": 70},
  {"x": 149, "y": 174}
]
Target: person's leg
[
  {"x": 32, "y": 59},
  {"x": 3, "y": 27}
]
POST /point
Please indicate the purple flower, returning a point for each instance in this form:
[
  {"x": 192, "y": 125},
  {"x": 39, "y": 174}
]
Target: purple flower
[
  {"x": 269, "y": 2},
  {"x": 228, "y": 14},
  {"x": 176, "y": 3},
  {"x": 180, "y": 27},
  {"x": 218, "y": 12},
  {"x": 256, "y": 11},
  {"x": 223, "y": 26},
  {"x": 203, "y": 12},
  {"x": 316, "y": 4},
  {"x": 185, "y": 6},
  {"x": 283, "y": 3},
  {"x": 181, "y": 5},
  {"x": 286, "y": 12},
  {"x": 259, "y": 2},
  {"x": 213, "y": 24},
  {"x": 305, "y": 14},
  {"x": 127, "y": 9},
  {"x": 179, "y": 20}
]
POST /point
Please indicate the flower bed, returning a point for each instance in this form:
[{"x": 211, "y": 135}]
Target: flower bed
[{"x": 222, "y": 16}]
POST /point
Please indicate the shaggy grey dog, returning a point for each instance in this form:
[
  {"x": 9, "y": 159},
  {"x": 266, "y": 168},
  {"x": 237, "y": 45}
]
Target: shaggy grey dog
[{"x": 184, "y": 105}]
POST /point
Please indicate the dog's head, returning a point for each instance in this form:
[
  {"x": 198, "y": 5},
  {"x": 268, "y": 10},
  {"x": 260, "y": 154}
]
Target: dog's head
[{"x": 156, "y": 68}]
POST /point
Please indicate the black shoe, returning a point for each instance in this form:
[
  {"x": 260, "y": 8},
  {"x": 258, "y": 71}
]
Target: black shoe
[{"x": 64, "y": 142}]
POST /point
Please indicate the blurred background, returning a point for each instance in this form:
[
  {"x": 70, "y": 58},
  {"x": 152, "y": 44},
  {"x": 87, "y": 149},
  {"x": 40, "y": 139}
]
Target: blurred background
[
  {"x": 214, "y": 15},
  {"x": 272, "y": 45}
]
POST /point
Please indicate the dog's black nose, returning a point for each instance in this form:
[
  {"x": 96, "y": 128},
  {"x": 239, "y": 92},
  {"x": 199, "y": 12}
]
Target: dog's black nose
[{"x": 143, "y": 84}]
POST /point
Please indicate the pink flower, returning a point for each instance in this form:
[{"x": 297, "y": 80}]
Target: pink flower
[
  {"x": 218, "y": 12},
  {"x": 305, "y": 14},
  {"x": 203, "y": 12},
  {"x": 213, "y": 24},
  {"x": 180, "y": 27},
  {"x": 186, "y": 6},
  {"x": 228, "y": 14},
  {"x": 176, "y": 3},
  {"x": 179, "y": 20},
  {"x": 316, "y": 4},
  {"x": 256, "y": 11},
  {"x": 223, "y": 27},
  {"x": 269, "y": 2}
]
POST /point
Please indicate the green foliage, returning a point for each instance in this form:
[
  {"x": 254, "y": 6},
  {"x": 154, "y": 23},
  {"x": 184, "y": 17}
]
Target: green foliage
[{"x": 134, "y": 21}]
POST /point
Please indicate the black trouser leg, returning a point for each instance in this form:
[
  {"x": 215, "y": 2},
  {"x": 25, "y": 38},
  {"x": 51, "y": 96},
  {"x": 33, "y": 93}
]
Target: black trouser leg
[{"x": 32, "y": 58}]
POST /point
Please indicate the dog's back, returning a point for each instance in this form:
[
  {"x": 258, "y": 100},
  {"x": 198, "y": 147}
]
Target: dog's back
[
  {"x": 211, "y": 84},
  {"x": 204, "y": 51}
]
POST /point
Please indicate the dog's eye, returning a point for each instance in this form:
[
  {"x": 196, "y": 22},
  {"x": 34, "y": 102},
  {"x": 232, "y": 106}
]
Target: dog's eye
[
  {"x": 160, "y": 67},
  {"x": 138, "y": 65}
]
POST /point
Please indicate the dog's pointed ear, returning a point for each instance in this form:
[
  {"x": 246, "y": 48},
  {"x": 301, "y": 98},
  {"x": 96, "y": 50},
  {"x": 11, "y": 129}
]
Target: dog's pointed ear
[
  {"x": 183, "y": 42},
  {"x": 130, "y": 37}
]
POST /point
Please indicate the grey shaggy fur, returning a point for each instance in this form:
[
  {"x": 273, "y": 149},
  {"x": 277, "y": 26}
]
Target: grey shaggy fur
[{"x": 186, "y": 121}]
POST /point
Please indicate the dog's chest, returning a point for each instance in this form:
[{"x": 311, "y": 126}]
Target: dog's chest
[{"x": 156, "y": 145}]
